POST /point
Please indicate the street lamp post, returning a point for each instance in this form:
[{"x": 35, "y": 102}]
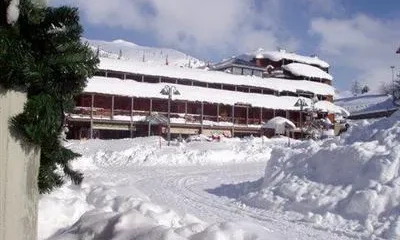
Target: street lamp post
[
  {"x": 169, "y": 90},
  {"x": 301, "y": 103},
  {"x": 392, "y": 67}
]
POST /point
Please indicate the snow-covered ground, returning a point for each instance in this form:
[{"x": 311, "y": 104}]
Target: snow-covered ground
[
  {"x": 339, "y": 188},
  {"x": 134, "y": 189}
]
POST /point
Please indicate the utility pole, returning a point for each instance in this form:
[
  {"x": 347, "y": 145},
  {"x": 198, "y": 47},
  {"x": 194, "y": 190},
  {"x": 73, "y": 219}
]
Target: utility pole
[
  {"x": 169, "y": 90},
  {"x": 301, "y": 103}
]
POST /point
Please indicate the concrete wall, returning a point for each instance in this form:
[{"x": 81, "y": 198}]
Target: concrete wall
[{"x": 19, "y": 166}]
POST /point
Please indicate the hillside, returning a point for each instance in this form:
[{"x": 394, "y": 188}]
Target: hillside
[{"x": 133, "y": 52}]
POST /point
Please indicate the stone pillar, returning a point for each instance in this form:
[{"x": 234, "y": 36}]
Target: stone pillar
[
  {"x": 19, "y": 168},
  {"x": 91, "y": 116}
]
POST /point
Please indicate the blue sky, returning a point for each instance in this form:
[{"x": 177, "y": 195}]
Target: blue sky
[{"x": 357, "y": 37}]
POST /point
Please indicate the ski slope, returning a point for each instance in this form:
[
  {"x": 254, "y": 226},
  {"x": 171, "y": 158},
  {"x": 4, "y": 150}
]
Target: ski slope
[{"x": 155, "y": 56}]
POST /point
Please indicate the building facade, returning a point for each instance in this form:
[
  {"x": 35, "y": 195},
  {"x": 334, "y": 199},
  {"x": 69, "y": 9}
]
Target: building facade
[{"x": 124, "y": 100}]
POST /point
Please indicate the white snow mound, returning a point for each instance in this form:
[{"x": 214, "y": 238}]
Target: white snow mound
[
  {"x": 353, "y": 178},
  {"x": 151, "y": 151}
]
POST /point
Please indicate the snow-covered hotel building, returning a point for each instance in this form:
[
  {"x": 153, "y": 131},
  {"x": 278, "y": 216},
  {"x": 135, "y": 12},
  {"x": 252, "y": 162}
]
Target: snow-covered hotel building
[{"x": 234, "y": 97}]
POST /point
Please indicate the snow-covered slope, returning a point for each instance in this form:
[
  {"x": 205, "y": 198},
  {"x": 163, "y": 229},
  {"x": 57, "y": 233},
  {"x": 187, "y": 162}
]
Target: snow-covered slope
[
  {"x": 131, "y": 51},
  {"x": 367, "y": 103}
]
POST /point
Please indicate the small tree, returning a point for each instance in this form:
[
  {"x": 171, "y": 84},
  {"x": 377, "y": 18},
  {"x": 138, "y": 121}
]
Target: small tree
[
  {"x": 365, "y": 89},
  {"x": 384, "y": 88},
  {"x": 355, "y": 88},
  {"x": 42, "y": 54}
]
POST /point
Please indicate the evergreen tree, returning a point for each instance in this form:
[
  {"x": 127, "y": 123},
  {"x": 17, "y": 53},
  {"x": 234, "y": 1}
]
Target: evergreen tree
[
  {"x": 365, "y": 89},
  {"x": 120, "y": 54},
  {"x": 43, "y": 55},
  {"x": 356, "y": 88}
]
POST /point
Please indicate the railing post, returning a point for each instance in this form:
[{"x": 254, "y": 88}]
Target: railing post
[
  {"x": 201, "y": 118},
  {"x": 233, "y": 120},
  {"x": 131, "y": 120},
  {"x": 217, "y": 112},
  {"x": 91, "y": 117},
  {"x": 247, "y": 115},
  {"x": 112, "y": 107}
]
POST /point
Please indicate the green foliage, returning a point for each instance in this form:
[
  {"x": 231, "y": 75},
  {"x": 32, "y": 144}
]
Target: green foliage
[{"x": 42, "y": 54}]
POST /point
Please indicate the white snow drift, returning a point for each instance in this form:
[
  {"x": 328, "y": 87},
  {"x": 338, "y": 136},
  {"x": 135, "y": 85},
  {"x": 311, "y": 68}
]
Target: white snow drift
[{"x": 356, "y": 178}]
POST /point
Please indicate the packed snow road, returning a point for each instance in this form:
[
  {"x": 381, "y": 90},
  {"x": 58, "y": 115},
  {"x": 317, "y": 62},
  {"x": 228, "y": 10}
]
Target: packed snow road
[{"x": 194, "y": 190}]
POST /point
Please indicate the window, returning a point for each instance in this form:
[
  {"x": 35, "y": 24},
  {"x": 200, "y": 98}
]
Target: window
[
  {"x": 257, "y": 73},
  {"x": 247, "y": 71},
  {"x": 237, "y": 71}
]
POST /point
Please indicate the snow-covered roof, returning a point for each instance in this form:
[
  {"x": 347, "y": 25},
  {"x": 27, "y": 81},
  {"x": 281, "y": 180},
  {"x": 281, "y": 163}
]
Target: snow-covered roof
[
  {"x": 130, "y": 88},
  {"x": 331, "y": 108},
  {"x": 367, "y": 103},
  {"x": 278, "y": 122},
  {"x": 216, "y": 77},
  {"x": 279, "y": 55},
  {"x": 300, "y": 69},
  {"x": 236, "y": 61}
]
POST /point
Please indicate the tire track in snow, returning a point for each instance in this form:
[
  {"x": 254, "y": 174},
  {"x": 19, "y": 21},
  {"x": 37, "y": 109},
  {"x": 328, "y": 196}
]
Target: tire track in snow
[{"x": 184, "y": 189}]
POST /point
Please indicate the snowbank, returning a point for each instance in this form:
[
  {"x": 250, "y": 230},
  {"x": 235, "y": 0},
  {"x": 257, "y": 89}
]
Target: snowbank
[
  {"x": 151, "y": 151},
  {"x": 99, "y": 212},
  {"x": 353, "y": 181},
  {"x": 107, "y": 205}
]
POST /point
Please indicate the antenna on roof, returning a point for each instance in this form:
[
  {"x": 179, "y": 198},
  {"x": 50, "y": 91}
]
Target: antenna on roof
[
  {"x": 143, "y": 58},
  {"x": 166, "y": 60}
]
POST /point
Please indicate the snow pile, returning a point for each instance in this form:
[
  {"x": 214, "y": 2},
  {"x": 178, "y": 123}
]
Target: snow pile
[
  {"x": 352, "y": 179},
  {"x": 304, "y": 70},
  {"x": 99, "y": 212},
  {"x": 153, "y": 151}
]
